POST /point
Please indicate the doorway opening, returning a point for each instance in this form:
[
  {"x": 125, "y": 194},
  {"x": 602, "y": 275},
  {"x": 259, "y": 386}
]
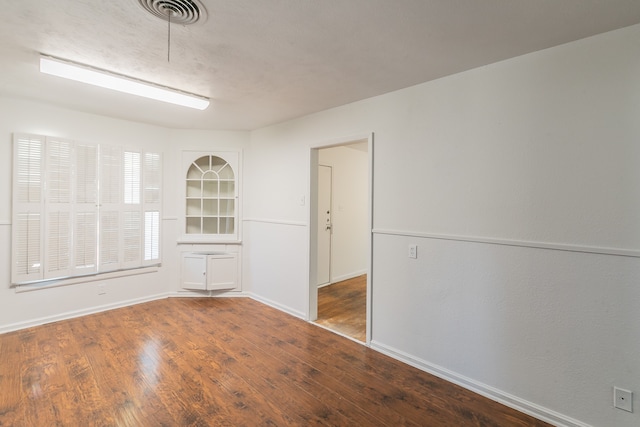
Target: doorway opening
[
  {"x": 340, "y": 237},
  {"x": 342, "y": 307}
]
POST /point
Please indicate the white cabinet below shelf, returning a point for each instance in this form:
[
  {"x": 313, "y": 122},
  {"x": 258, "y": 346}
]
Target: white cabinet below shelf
[{"x": 209, "y": 271}]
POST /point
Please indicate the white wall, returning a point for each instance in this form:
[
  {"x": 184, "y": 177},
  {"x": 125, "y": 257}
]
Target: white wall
[
  {"x": 276, "y": 253},
  {"x": 349, "y": 216},
  {"x": 520, "y": 184},
  {"x": 19, "y": 310},
  {"x": 276, "y": 264}
]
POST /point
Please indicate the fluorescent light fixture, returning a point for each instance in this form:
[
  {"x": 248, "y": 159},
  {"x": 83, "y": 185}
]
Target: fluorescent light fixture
[{"x": 106, "y": 79}]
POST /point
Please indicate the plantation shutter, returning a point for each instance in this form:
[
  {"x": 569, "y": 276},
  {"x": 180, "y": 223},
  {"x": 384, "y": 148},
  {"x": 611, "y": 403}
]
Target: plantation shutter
[
  {"x": 58, "y": 226},
  {"x": 85, "y": 209},
  {"x": 27, "y": 223},
  {"x": 152, "y": 181},
  {"x": 81, "y": 209},
  {"x": 132, "y": 238},
  {"x": 110, "y": 203},
  {"x": 132, "y": 209}
]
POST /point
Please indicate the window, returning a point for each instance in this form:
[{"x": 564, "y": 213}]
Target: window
[
  {"x": 211, "y": 197},
  {"x": 81, "y": 208}
]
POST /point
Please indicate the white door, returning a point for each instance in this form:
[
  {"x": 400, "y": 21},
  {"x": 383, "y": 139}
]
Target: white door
[
  {"x": 194, "y": 271},
  {"x": 324, "y": 224},
  {"x": 222, "y": 271}
]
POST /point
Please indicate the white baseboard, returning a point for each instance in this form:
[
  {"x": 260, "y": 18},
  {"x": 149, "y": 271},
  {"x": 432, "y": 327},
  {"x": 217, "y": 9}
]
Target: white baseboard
[
  {"x": 348, "y": 276},
  {"x": 93, "y": 310},
  {"x": 492, "y": 393},
  {"x": 343, "y": 277},
  {"x": 278, "y": 306},
  {"x": 184, "y": 293},
  {"x": 78, "y": 313}
]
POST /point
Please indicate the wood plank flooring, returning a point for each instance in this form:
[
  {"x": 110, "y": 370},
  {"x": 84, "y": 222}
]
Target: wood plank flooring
[
  {"x": 342, "y": 307},
  {"x": 219, "y": 362}
]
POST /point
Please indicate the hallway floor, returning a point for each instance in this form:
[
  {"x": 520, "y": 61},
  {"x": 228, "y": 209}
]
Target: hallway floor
[{"x": 342, "y": 307}]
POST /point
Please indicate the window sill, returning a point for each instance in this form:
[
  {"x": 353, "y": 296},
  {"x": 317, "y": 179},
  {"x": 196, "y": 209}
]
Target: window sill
[
  {"x": 46, "y": 284},
  {"x": 208, "y": 242}
]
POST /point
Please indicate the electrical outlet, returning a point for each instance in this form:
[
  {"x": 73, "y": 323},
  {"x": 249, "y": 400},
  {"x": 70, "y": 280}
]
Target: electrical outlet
[
  {"x": 623, "y": 399},
  {"x": 413, "y": 251}
]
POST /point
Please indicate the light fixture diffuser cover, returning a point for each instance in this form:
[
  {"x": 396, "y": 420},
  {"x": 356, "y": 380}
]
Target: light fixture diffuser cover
[{"x": 93, "y": 76}]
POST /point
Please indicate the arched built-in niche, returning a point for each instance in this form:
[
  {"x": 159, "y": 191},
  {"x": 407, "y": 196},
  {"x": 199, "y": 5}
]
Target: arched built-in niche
[{"x": 210, "y": 206}]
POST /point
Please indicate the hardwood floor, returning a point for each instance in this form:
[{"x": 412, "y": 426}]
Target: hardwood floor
[
  {"x": 219, "y": 362},
  {"x": 342, "y": 307}
]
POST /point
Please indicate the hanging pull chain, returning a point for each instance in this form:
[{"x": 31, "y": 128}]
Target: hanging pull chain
[{"x": 168, "y": 35}]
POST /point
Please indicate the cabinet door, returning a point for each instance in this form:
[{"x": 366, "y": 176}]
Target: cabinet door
[
  {"x": 194, "y": 271},
  {"x": 222, "y": 271}
]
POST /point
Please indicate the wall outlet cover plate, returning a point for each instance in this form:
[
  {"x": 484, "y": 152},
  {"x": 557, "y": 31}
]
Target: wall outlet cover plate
[{"x": 623, "y": 399}]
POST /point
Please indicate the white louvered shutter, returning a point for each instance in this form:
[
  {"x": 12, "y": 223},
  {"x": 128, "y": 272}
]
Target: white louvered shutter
[
  {"x": 28, "y": 205},
  {"x": 110, "y": 205},
  {"x": 85, "y": 209},
  {"x": 58, "y": 227},
  {"x": 132, "y": 210},
  {"x": 80, "y": 209},
  {"x": 152, "y": 183},
  {"x": 131, "y": 239}
]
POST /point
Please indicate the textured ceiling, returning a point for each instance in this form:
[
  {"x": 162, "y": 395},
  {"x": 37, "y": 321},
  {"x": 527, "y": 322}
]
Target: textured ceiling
[{"x": 266, "y": 61}]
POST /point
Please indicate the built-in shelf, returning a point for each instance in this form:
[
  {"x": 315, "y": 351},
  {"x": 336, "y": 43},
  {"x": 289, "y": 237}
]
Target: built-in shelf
[{"x": 211, "y": 198}]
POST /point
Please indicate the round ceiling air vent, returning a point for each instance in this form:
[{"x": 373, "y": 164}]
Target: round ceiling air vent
[{"x": 183, "y": 12}]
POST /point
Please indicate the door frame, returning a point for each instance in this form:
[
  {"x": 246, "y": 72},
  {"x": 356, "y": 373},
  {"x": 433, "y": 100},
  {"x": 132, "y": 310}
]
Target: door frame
[
  {"x": 320, "y": 226},
  {"x": 312, "y": 310}
]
